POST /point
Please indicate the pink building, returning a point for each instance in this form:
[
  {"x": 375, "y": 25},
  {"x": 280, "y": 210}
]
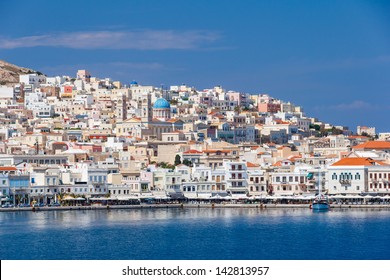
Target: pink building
[
  {"x": 268, "y": 107},
  {"x": 83, "y": 75}
]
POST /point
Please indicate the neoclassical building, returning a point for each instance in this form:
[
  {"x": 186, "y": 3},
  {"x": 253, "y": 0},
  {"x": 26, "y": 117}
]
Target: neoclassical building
[
  {"x": 161, "y": 109},
  {"x": 153, "y": 120}
]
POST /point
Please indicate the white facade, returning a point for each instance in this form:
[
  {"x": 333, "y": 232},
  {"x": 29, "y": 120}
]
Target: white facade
[
  {"x": 7, "y": 92},
  {"x": 32, "y": 79},
  {"x": 347, "y": 179},
  {"x": 236, "y": 177}
]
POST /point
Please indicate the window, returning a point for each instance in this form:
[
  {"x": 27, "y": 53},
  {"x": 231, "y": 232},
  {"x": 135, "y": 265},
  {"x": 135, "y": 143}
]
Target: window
[
  {"x": 357, "y": 188},
  {"x": 357, "y": 176}
]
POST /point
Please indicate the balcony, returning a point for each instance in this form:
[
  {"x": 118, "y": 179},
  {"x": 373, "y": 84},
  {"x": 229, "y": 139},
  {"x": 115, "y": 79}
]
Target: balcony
[
  {"x": 236, "y": 179},
  {"x": 345, "y": 182}
]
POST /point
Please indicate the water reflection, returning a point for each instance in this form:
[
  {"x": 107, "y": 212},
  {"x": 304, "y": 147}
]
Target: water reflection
[
  {"x": 193, "y": 233},
  {"x": 86, "y": 218}
]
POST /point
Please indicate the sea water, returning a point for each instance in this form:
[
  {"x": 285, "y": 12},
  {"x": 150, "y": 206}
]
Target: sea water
[{"x": 196, "y": 234}]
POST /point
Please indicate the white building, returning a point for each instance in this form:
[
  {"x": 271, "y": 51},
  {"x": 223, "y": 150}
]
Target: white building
[
  {"x": 358, "y": 175},
  {"x": 32, "y": 79},
  {"x": 236, "y": 177}
]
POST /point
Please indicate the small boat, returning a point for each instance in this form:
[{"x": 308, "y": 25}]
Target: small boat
[{"x": 320, "y": 202}]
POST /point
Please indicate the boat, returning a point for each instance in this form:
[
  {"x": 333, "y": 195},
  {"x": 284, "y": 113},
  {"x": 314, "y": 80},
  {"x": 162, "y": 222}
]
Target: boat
[{"x": 320, "y": 202}]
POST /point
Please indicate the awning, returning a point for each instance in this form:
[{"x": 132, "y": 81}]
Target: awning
[
  {"x": 239, "y": 196},
  {"x": 204, "y": 195},
  {"x": 176, "y": 195},
  {"x": 191, "y": 195}
]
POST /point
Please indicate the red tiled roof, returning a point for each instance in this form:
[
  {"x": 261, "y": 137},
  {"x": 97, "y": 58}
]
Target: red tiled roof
[
  {"x": 8, "y": 168},
  {"x": 250, "y": 164},
  {"x": 373, "y": 145},
  {"x": 192, "y": 152},
  {"x": 357, "y": 161},
  {"x": 214, "y": 151},
  {"x": 278, "y": 163},
  {"x": 357, "y": 137}
]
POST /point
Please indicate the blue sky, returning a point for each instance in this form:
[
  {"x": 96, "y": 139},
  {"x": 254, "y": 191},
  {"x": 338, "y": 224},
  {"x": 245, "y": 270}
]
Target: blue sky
[{"x": 331, "y": 57}]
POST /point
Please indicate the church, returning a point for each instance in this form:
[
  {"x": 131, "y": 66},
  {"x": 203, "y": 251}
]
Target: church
[{"x": 152, "y": 122}]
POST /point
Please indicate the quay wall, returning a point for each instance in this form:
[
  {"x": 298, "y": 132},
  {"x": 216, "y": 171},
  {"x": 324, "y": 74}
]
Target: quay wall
[{"x": 208, "y": 205}]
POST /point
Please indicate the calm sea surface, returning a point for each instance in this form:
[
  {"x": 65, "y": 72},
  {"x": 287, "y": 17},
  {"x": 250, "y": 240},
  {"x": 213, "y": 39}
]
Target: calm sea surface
[{"x": 196, "y": 234}]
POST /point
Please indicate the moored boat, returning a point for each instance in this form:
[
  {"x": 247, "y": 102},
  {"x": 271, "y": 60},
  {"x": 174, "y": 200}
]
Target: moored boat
[{"x": 320, "y": 203}]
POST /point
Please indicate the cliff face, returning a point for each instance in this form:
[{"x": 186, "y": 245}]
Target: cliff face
[{"x": 9, "y": 73}]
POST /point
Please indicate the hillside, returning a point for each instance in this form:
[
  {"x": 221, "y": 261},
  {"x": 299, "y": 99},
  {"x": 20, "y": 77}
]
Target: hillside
[{"x": 9, "y": 73}]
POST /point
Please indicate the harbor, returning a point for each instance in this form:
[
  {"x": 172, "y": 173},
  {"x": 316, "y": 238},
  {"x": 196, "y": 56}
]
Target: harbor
[
  {"x": 166, "y": 232},
  {"x": 344, "y": 205}
]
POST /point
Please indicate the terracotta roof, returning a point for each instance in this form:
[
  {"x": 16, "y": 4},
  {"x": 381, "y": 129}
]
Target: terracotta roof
[
  {"x": 60, "y": 143},
  {"x": 281, "y": 122},
  {"x": 214, "y": 151},
  {"x": 173, "y": 120},
  {"x": 293, "y": 158},
  {"x": 278, "y": 163},
  {"x": 358, "y": 137},
  {"x": 250, "y": 164},
  {"x": 8, "y": 168},
  {"x": 357, "y": 161},
  {"x": 373, "y": 145},
  {"x": 192, "y": 152}
]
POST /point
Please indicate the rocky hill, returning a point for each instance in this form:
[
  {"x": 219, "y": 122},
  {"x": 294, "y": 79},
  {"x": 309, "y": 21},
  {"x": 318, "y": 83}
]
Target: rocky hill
[{"x": 9, "y": 73}]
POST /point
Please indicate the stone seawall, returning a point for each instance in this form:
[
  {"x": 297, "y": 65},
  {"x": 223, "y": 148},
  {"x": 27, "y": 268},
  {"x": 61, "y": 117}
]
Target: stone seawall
[{"x": 208, "y": 205}]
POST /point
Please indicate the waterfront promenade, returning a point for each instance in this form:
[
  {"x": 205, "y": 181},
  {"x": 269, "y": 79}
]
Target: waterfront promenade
[{"x": 190, "y": 205}]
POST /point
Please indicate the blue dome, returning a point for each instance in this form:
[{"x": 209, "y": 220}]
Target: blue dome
[
  {"x": 133, "y": 83},
  {"x": 161, "y": 103}
]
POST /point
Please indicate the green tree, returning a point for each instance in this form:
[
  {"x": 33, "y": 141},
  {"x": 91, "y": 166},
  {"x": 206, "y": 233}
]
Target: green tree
[{"x": 177, "y": 160}]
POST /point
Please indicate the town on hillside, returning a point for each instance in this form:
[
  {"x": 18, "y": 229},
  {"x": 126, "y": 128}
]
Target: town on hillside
[{"x": 82, "y": 140}]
